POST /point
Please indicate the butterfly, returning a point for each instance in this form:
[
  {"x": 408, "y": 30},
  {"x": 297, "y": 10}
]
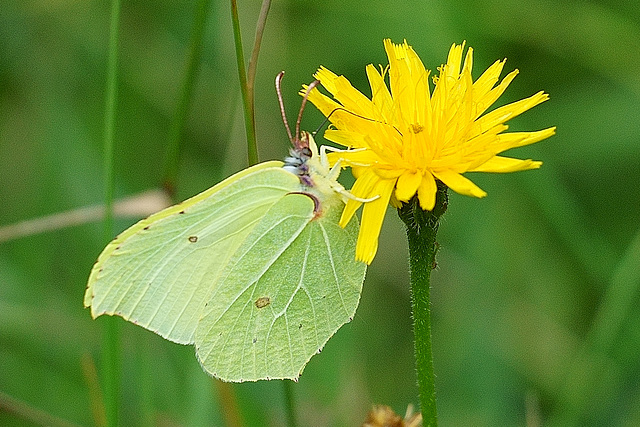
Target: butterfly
[{"x": 255, "y": 271}]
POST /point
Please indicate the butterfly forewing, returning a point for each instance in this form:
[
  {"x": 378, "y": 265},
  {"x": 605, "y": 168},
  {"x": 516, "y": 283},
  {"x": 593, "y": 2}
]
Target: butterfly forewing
[{"x": 160, "y": 275}]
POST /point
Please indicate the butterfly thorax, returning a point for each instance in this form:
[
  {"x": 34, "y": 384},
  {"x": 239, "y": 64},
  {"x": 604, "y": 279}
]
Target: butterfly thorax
[{"x": 297, "y": 164}]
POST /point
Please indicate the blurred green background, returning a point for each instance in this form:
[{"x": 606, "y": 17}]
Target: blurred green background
[{"x": 535, "y": 299}]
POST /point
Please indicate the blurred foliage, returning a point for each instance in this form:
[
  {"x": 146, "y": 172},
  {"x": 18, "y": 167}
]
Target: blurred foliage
[{"x": 535, "y": 300}]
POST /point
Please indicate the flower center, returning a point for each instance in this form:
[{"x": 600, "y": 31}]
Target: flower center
[{"x": 416, "y": 128}]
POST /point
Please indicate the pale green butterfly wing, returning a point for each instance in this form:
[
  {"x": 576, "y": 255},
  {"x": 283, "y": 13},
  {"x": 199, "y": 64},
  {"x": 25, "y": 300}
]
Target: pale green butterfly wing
[
  {"x": 263, "y": 250},
  {"x": 160, "y": 272},
  {"x": 290, "y": 286}
]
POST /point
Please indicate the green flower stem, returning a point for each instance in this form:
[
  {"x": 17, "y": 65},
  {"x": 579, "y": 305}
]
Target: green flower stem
[
  {"x": 422, "y": 227},
  {"x": 182, "y": 109},
  {"x": 111, "y": 327}
]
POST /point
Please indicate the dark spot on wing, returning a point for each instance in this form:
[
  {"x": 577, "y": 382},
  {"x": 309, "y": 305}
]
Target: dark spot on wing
[
  {"x": 193, "y": 239},
  {"x": 262, "y": 302},
  {"x": 146, "y": 228},
  {"x": 181, "y": 212}
]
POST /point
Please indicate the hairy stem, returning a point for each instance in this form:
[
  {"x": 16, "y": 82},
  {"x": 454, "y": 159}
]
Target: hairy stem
[{"x": 422, "y": 227}]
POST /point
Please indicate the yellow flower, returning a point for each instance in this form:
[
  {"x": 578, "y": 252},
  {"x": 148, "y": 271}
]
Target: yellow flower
[{"x": 406, "y": 137}]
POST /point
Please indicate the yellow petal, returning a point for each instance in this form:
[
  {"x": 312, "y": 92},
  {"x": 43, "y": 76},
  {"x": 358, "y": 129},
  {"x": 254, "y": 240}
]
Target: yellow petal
[
  {"x": 452, "y": 67},
  {"x": 353, "y": 158},
  {"x": 328, "y": 76},
  {"x": 363, "y": 188},
  {"x": 486, "y": 99},
  {"x": 500, "y": 164},
  {"x": 388, "y": 172},
  {"x": 345, "y": 93},
  {"x": 488, "y": 79},
  {"x": 509, "y": 111},
  {"x": 380, "y": 95},
  {"x": 325, "y": 104},
  {"x": 372, "y": 217},
  {"x": 400, "y": 80},
  {"x": 345, "y": 138},
  {"x": 509, "y": 140},
  {"x": 459, "y": 183},
  {"x": 427, "y": 192},
  {"x": 394, "y": 202},
  {"x": 407, "y": 185}
]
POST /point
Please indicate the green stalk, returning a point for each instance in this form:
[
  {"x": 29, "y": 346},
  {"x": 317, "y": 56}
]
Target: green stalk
[
  {"x": 111, "y": 327},
  {"x": 251, "y": 78},
  {"x": 111, "y": 369},
  {"x": 247, "y": 79},
  {"x": 24, "y": 411},
  {"x": 186, "y": 93},
  {"x": 583, "y": 382},
  {"x": 253, "y": 62},
  {"x": 289, "y": 403},
  {"x": 228, "y": 401},
  {"x": 247, "y": 97},
  {"x": 422, "y": 227},
  {"x": 247, "y": 86}
]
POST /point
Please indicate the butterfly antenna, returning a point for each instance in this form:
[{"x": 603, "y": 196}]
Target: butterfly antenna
[
  {"x": 281, "y": 102},
  {"x": 304, "y": 102}
]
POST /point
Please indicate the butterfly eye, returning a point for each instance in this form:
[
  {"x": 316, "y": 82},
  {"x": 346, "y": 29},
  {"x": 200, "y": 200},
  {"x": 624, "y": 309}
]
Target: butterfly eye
[{"x": 306, "y": 153}]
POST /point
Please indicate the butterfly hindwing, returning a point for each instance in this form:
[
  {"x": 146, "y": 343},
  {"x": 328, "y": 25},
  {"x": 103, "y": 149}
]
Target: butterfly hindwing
[{"x": 286, "y": 291}]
